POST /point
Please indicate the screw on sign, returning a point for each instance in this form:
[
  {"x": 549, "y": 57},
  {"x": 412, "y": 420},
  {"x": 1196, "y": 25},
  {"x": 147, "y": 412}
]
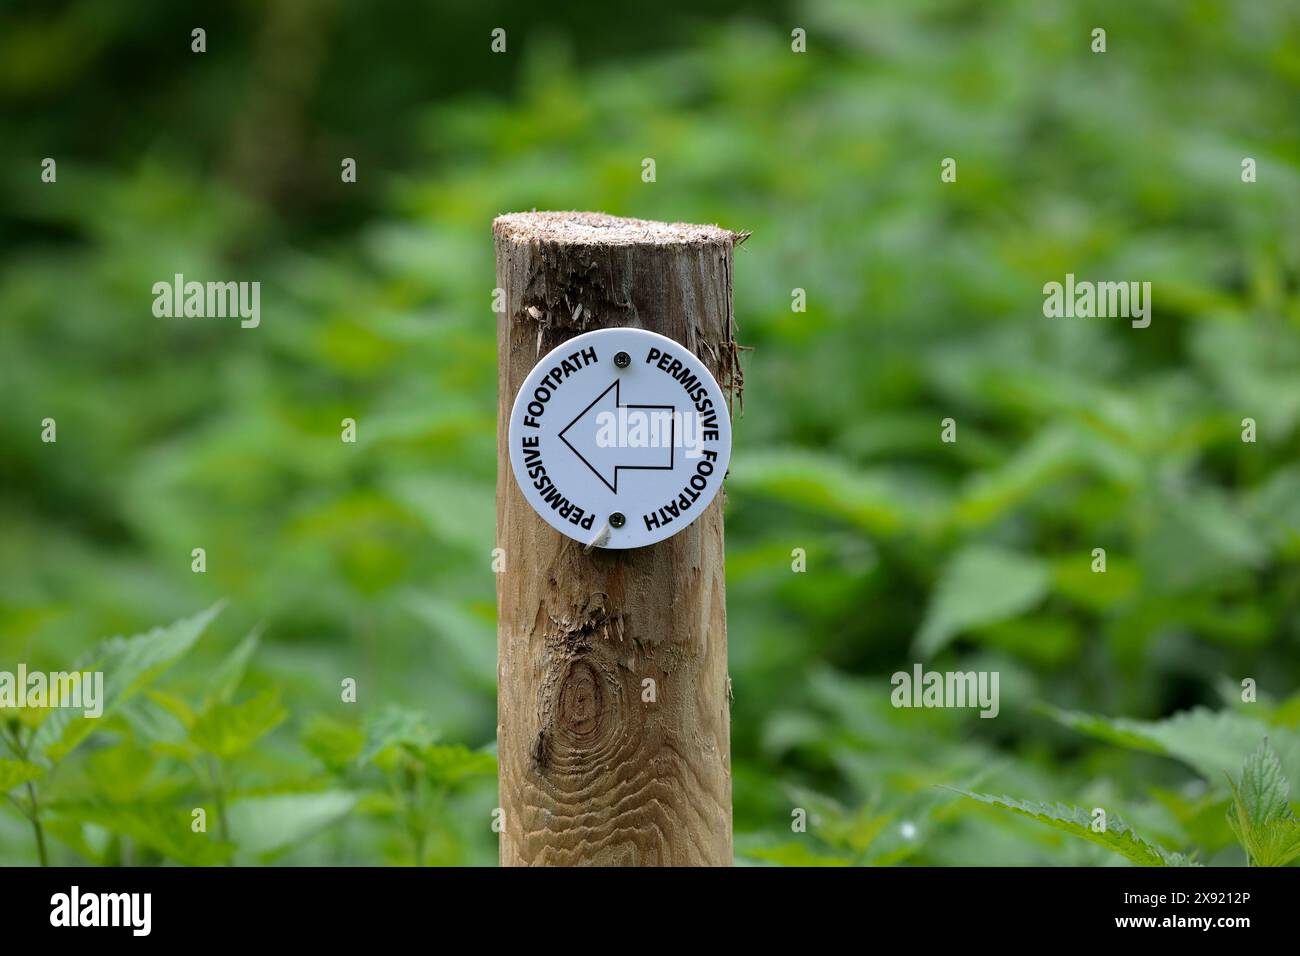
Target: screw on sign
[
  {"x": 615, "y": 432},
  {"x": 619, "y": 438}
]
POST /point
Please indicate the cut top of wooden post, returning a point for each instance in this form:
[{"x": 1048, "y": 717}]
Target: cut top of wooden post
[
  {"x": 565, "y": 273},
  {"x": 598, "y": 229}
]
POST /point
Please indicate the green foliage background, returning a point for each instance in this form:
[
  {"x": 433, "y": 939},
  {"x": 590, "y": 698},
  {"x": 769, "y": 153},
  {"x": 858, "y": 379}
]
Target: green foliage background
[{"x": 372, "y": 560}]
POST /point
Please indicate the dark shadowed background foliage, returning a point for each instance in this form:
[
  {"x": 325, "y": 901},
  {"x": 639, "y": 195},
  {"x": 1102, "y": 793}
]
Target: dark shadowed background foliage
[{"x": 924, "y": 301}]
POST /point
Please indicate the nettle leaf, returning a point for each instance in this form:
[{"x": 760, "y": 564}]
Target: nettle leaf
[
  {"x": 1054, "y": 453},
  {"x": 1263, "y": 791},
  {"x": 396, "y": 727},
  {"x": 458, "y": 510},
  {"x": 266, "y": 824},
  {"x": 121, "y": 773},
  {"x": 447, "y": 763},
  {"x": 333, "y": 742},
  {"x": 230, "y": 672},
  {"x": 1195, "y": 538},
  {"x": 227, "y": 730},
  {"x": 837, "y": 825},
  {"x": 176, "y": 706},
  {"x": 1213, "y": 743},
  {"x": 1118, "y": 836},
  {"x": 981, "y": 585},
  {"x": 162, "y": 722},
  {"x": 15, "y": 773},
  {"x": 872, "y": 500},
  {"x": 128, "y": 664},
  {"x": 1260, "y": 814}
]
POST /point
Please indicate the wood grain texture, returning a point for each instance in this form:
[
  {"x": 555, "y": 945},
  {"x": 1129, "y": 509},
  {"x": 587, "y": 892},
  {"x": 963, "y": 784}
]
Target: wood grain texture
[{"x": 590, "y": 773}]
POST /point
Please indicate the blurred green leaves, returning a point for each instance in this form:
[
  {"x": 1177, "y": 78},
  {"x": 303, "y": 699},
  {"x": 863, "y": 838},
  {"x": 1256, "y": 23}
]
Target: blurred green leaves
[
  {"x": 266, "y": 824},
  {"x": 1116, "y": 835},
  {"x": 373, "y": 561},
  {"x": 980, "y": 585},
  {"x": 128, "y": 664},
  {"x": 227, "y": 730},
  {"x": 15, "y": 773},
  {"x": 1213, "y": 743}
]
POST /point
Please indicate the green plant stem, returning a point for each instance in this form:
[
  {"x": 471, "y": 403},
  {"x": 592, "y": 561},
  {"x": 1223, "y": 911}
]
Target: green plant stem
[
  {"x": 36, "y": 825},
  {"x": 419, "y": 847},
  {"x": 33, "y": 811},
  {"x": 219, "y": 798},
  {"x": 410, "y": 811}
]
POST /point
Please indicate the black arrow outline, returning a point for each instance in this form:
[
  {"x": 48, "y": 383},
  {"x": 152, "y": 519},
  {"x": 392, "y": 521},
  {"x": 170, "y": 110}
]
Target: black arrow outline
[{"x": 672, "y": 440}]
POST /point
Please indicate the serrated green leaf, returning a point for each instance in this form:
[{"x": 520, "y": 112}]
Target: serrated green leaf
[
  {"x": 1274, "y": 844},
  {"x": 1260, "y": 815},
  {"x": 1213, "y": 743},
  {"x": 1118, "y": 836},
  {"x": 227, "y": 730},
  {"x": 159, "y": 720},
  {"x": 128, "y": 664},
  {"x": 980, "y": 585},
  {"x": 1263, "y": 790},
  {"x": 230, "y": 672}
]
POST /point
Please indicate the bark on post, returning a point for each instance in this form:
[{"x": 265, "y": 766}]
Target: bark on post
[{"x": 593, "y": 770}]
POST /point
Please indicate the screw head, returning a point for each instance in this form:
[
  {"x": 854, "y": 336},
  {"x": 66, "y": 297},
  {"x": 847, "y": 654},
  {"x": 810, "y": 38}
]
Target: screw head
[
  {"x": 622, "y": 360},
  {"x": 616, "y": 520}
]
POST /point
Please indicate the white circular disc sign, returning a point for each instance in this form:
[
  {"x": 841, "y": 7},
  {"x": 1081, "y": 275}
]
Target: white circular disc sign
[{"x": 620, "y": 437}]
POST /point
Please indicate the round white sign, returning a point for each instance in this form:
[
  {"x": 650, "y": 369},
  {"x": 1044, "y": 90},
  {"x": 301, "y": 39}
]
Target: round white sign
[{"x": 620, "y": 438}]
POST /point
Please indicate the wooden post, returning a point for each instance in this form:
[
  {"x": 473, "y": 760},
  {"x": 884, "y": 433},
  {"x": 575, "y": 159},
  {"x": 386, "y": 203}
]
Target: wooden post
[{"x": 613, "y": 720}]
